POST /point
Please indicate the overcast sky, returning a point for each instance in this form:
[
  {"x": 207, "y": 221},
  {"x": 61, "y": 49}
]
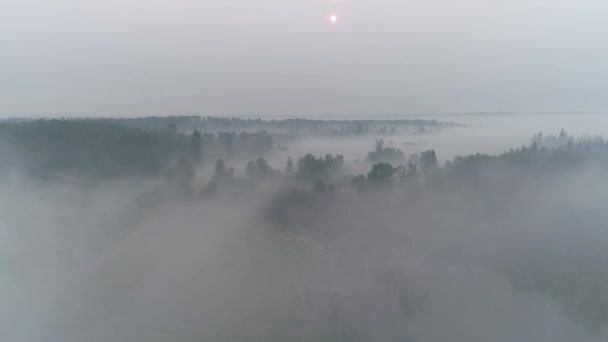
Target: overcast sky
[{"x": 283, "y": 57}]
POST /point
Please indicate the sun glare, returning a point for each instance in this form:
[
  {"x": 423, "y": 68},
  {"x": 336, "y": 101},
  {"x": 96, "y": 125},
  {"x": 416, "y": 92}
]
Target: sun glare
[{"x": 333, "y": 18}]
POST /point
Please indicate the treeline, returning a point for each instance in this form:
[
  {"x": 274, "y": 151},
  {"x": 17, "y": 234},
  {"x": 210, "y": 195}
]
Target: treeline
[
  {"x": 94, "y": 149},
  {"x": 189, "y": 124},
  {"x": 307, "y": 169},
  {"x": 416, "y": 171},
  {"x": 543, "y": 155}
]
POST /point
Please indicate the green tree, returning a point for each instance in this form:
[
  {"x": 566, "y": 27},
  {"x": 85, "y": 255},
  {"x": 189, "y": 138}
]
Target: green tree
[
  {"x": 428, "y": 161},
  {"x": 310, "y": 167},
  {"x": 381, "y": 173},
  {"x": 289, "y": 167},
  {"x": 384, "y": 154},
  {"x": 220, "y": 168},
  {"x": 196, "y": 147},
  {"x": 223, "y": 174},
  {"x": 250, "y": 170},
  {"x": 262, "y": 167},
  {"x": 257, "y": 169}
]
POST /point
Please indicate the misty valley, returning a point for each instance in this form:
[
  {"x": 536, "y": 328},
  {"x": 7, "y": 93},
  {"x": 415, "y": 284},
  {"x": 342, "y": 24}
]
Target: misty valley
[{"x": 487, "y": 227}]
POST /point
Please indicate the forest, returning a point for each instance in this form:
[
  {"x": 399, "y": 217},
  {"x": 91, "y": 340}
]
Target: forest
[{"x": 189, "y": 229}]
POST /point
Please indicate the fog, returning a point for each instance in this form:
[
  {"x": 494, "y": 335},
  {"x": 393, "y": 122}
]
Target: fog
[
  {"x": 498, "y": 132},
  {"x": 510, "y": 248},
  {"x": 303, "y": 170}
]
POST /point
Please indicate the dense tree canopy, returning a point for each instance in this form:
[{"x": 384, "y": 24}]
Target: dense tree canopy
[
  {"x": 385, "y": 154},
  {"x": 309, "y": 167},
  {"x": 51, "y": 148}
]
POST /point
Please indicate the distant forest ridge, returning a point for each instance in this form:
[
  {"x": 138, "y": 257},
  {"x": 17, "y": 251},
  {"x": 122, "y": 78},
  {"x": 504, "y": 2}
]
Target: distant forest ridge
[{"x": 210, "y": 123}]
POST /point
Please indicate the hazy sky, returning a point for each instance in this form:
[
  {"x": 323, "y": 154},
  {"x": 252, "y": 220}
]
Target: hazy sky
[{"x": 283, "y": 57}]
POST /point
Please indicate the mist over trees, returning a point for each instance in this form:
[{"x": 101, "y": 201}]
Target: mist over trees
[
  {"x": 118, "y": 231},
  {"x": 219, "y": 124},
  {"x": 94, "y": 149},
  {"x": 102, "y": 150},
  {"x": 385, "y": 154}
]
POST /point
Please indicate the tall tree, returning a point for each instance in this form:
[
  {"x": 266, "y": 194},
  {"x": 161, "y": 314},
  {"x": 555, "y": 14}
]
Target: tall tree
[
  {"x": 289, "y": 167},
  {"x": 250, "y": 171},
  {"x": 196, "y": 147},
  {"x": 220, "y": 168},
  {"x": 428, "y": 161}
]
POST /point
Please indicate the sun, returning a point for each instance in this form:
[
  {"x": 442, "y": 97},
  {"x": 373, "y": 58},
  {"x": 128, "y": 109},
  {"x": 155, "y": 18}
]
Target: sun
[{"x": 333, "y": 18}]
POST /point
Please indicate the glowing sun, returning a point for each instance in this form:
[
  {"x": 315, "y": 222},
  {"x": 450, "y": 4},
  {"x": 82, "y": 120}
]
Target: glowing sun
[{"x": 333, "y": 18}]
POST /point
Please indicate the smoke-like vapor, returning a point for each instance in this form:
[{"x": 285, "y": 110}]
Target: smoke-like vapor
[{"x": 514, "y": 255}]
